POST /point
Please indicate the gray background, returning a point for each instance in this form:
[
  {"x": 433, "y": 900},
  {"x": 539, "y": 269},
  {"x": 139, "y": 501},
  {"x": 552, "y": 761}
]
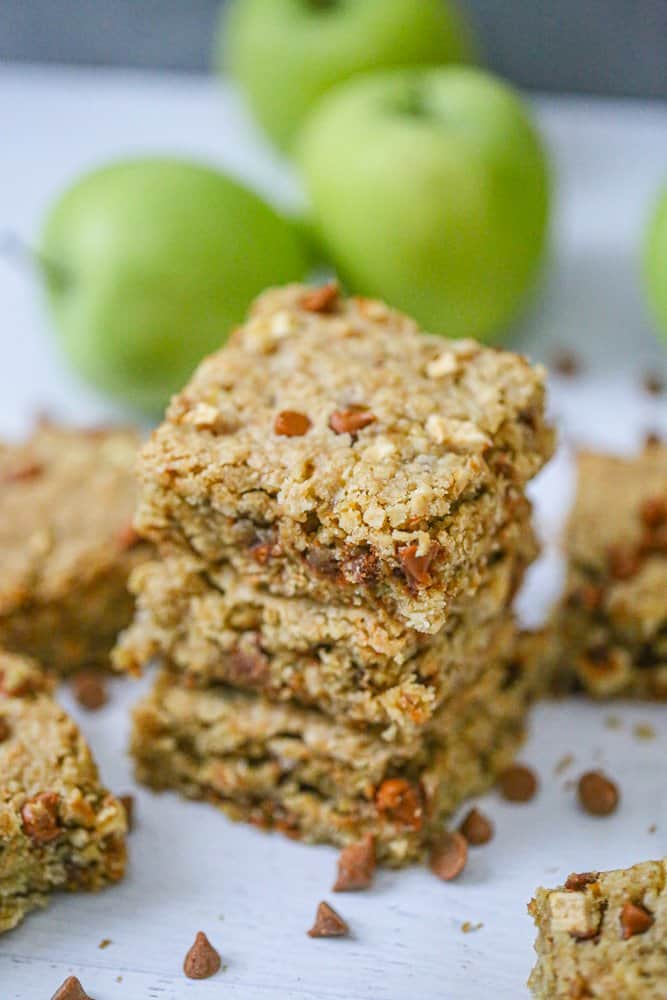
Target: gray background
[{"x": 594, "y": 46}]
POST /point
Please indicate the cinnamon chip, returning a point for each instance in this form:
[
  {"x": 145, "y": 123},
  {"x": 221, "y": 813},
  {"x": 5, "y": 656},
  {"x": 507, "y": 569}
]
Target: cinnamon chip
[
  {"x": 578, "y": 881},
  {"x": 202, "y": 960},
  {"x": 4, "y": 729},
  {"x": 90, "y": 690},
  {"x": 40, "y": 817},
  {"x": 401, "y": 803},
  {"x": 290, "y": 423},
  {"x": 598, "y": 794},
  {"x": 248, "y": 668},
  {"x": 624, "y": 562},
  {"x": 449, "y": 856},
  {"x": 417, "y": 568},
  {"x": 127, "y": 802},
  {"x": 476, "y": 828},
  {"x": 351, "y": 420},
  {"x": 635, "y": 919},
  {"x": 71, "y": 989},
  {"x": 322, "y": 299},
  {"x": 653, "y": 512},
  {"x": 356, "y": 866},
  {"x": 518, "y": 783},
  {"x": 21, "y": 473},
  {"x": 328, "y": 923}
]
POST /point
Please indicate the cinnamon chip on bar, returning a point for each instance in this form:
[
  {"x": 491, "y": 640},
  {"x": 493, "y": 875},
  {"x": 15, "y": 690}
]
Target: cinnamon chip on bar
[
  {"x": 417, "y": 568},
  {"x": 635, "y": 919},
  {"x": 597, "y": 793},
  {"x": 400, "y": 802},
  {"x": 356, "y": 866},
  {"x": 21, "y": 473},
  {"x": 476, "y": 828},
  {"x": 579, "y": 880},
  {"x": 291, "y": 423},
  {"x": 328, "y": 923},
  {"x": 71, "y": 989},
  {"x": 202, "y": 960},
  {"x": 40, "y": 817},
  {"x": 449, "y": 856},
  {"x": 322, "y": 299},
  {"x": 351, "y": 420},
  {"x": 4, "y": 729},
  {"x": 90, "y": 690},
  {"x": 518, "y": 783}
]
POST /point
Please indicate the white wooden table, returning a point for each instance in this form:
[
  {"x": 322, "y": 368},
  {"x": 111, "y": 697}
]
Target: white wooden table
[{"x": 255, "y": 894}]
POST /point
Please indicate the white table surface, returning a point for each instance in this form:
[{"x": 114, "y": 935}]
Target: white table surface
[{"x": 255, "y": 894}]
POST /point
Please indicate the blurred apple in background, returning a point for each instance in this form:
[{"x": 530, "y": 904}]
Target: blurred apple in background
[
  {"x": 655, "y": 261},
  {"x": 430, "y": 189},
  {"x": 286, "y": 53},
  {"x": 150, "y": 263}
]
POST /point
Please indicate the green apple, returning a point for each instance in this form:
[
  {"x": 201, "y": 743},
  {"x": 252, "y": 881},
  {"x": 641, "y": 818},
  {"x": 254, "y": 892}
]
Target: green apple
[
  {"x": 286, "y": 53},
  {"x": 150, "y": 263},
  {"x": 430, "y": 189},
  {"x": 655, "y": 261}
]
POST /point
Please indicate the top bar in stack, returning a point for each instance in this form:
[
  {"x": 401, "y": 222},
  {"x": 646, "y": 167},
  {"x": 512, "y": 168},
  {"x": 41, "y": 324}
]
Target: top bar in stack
[{"x": 331, "y": 450}]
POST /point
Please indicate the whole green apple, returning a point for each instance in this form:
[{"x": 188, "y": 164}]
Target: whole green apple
[
  {"x": 655, "y": 261},
  {"x": 430, "y": 189},
  {"x": 286, "y": 53},
  {"x": 148, "y": 266}
]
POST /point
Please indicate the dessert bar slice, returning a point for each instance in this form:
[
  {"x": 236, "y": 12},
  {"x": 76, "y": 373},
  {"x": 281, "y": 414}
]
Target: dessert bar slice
[
  {"x": 613, "y": 619},
  {"x": 59, "y": 827},
  {"x": 332, "y": 450},
  {"x": 346, "y": 661},
  {"x": 277, "y": 765},
  {"x": 66, "y": 544},
  {"x": 603, "y": 934}
]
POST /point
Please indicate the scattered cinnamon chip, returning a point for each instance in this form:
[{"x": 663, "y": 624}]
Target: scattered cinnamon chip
[
  {"x": 469, "y": 928},
  {"x": 127, "y": 801},
  {"x": 202, "y": 960},
  {"x": 104, "y": 943},
  {"x": 351, "y": 420},
  {"x": 476, "y": 828},
  {"x": 566, "y": 363},
  {"x": 643, "y": 731},
  {"x": 290, "y": 423},
  {"x": 90, "y": 690},
  {"x": 21, "y": 473},
  {"x": 356, "y": 866},
  {"x": 598, "y": 794},
  {"x": 322, "y": 299},
  {"x": 653, "y": 383},
  {"x": 518, "y": 783},
  {"x": 449, "y": 856},
  {"x": 40, "y": 817},
  {"x": 328, "y": 923},
  {"x": 417, "y": 568},
  {"x": 579, "y": 880},
  {"x": 401, "y": 802},
  {"x": 4, "y": 729},
  {"x": 71, "y": 989},
  {"x": 635, "y": 919}
]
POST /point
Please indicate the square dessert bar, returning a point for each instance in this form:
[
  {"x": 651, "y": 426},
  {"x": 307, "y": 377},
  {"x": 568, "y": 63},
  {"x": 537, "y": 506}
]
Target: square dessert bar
[
  {"x": 59, "y": 827},
  {"x": 603, "y": 934},
  {"x": 350, "y": 662},
  {"x": 67, "y": 545},
  {"x": 613, "y": 619},
  {"x": 317, "y": 779},
  {"x": 332, "y": 450}
]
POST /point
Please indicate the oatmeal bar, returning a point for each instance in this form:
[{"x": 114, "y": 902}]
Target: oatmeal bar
[
  {"x": 613, "y": 619},
  {"x": 295, "y": 769},
  {"x": 66, "y": 544},
  {"x": 603, "y": 934},
  {"x": 345, "y": 456},
  {"x": 344, "y": 660},
  {"x": 59, "y": 827}
]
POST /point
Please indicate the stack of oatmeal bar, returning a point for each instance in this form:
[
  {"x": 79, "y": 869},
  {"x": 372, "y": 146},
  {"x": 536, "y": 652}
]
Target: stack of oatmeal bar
[{"x": 337, "y": 503}]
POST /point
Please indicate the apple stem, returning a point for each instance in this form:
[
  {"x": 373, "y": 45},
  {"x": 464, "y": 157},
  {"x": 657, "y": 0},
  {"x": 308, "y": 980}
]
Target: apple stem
[{"x": 14, "y": 249}]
